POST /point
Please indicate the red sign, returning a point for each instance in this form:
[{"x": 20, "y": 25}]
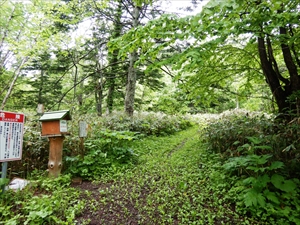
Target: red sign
[{"x": 11, "y": 136}]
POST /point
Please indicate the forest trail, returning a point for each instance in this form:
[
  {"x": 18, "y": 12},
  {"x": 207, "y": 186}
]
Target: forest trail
[{"x": 170, "y": 185}]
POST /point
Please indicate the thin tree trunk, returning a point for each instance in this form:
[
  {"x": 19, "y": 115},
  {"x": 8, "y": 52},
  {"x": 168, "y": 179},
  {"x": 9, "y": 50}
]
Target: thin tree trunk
[
  {"x": 12, "y": 84},
  {"x": 117, "y": 31},
  {"x": 110, "y": 95},
  {"x": 99, "y": 90},
  {"x": 131, "y": 77},
  {"x": 80, "y": 95},
  {"x": 99, "y": 98},
  {"x": 40, "y": 93},
  {"x": 75, "y": 81},
  {"x": 130, "y": 87}
]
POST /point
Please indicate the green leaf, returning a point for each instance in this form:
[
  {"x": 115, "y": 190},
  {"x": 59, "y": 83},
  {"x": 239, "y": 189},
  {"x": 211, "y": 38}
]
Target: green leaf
[
  {"x": 249, "y": 180},
  {"x": 263, "y": 180},
  {"x": 254, "y": 198},
  {"x": 236, "y": 143},
  {"x": 41, "y": 214},
  {"x": 4, "y": 181},
  {"x": 271, "y": 196},
  {"x": 254, "y": 140},
  {"x": 277, "y": 180},
  {"x": 262, "y": 159},
  {"x": 250, "y": 198},
  {"x": 288, "y": 186},
  {"x": 255, "y": 168},
  {"x": 246, "y": 146},
  {"x": 284, "y": 185},
  {"x": 276, "y": 165},
  {"x": 261, "y": 200}
]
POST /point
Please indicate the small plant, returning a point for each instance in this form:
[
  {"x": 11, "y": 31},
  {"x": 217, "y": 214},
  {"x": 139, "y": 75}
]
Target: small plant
[
  {"x": 44, "y": 201},
  {"x": 107, "y": 152},
  {"x": 260, "y": 187}
]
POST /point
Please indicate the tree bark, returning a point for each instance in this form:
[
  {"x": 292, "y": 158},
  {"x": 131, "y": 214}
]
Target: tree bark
[
  {"x": 130, "y": 87},
  {"x": 288, "y": 59},
  {"x": 40, "y": 92},
  {"x": 12, "y": 84},
  {"x": 131, "y": 77},
  {"x": 99, "y": 91},
  {"x": 99, "y": 97},
  {"x": 117, "y": 32},
  {"x": 110, "y": 96},
  {"x": 272, "y": 79}
]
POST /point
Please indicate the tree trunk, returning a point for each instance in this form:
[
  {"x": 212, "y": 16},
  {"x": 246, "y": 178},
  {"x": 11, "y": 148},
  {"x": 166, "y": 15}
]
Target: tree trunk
[
  {"x": 117, "y": 32},
  {"x": 40, "y": 92},
  {"x": 99, "y": 95},
  {"x": 12, "y": 84},
  {"x": 80, "y": 95},
  {"x": 285, "y": 90},
  {"x": 131, "y": 77},
  {"x": 99, "y": 99},
  {"x": 130, "y": 87},
  {"x": 272, "y": 79},
  {"x": 291, "y": 66},
  {"x": 110, "y": 96}
]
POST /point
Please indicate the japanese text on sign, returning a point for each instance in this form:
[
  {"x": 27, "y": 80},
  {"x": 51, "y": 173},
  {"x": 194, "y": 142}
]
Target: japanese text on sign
[{"x": 11, "y": 136}]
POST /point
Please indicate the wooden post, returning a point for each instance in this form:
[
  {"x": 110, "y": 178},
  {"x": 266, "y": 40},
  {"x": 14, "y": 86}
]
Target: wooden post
[
  {"x": 55, "y": 156},
  {"x": 82, "y": 149}
]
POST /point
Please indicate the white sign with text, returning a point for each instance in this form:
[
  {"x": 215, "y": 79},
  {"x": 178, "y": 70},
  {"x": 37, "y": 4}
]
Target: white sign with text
[{"x": 11, "y": 136}]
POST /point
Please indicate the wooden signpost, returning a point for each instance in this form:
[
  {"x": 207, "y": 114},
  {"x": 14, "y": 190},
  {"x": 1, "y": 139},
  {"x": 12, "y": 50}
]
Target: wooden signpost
[
  {"x": 11, "y": 138},
  {"x": 54, "y": 126}
]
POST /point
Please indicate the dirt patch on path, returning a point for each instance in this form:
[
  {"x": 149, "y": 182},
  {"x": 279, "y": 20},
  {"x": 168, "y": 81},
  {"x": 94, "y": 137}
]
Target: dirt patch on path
[{"x": 113, "y": 203}]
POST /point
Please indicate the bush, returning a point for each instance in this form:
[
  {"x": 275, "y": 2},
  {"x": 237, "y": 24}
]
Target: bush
[
  {"x": 261, "y": 156},
  {"x": 108, "y": 152},
  {"x": 36, "y": 148},
  {"x": 158, "y": 124},
  {"x": 44, "y": 201}
]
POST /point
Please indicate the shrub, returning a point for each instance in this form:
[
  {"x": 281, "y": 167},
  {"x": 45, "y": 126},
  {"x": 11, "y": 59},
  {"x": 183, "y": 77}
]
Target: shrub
[
  {"x": 108, "y": 151},
  {"x": 158, "y": 124},
  {"x": 36, "y": 148},
  {"x": 261, "y": 156},
  {"x": 44, "y": 201}
]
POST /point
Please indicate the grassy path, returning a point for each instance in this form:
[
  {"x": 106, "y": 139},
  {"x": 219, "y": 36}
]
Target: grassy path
[{"x": 175, "y": 182}]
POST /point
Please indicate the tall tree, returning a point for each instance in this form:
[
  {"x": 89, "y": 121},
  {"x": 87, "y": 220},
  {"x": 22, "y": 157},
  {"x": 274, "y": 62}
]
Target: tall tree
[
  {"x": 12, "y": 23},
  {"x": 113, "y": 57},
  {"x": 273, "y": 26},
  {"x": 131, "y": 77},
  {"x": 120, "y": 16},
  {"x": 28, "y": 30}
]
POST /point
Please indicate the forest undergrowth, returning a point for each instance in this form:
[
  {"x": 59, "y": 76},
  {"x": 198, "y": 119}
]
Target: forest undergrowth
[
  {"x": 230, "y": 169},
  {"x": 175, "y": 182}
]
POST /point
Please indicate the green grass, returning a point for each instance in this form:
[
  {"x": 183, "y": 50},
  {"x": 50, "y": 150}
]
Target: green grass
[{"x": 176, "y": 182}]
